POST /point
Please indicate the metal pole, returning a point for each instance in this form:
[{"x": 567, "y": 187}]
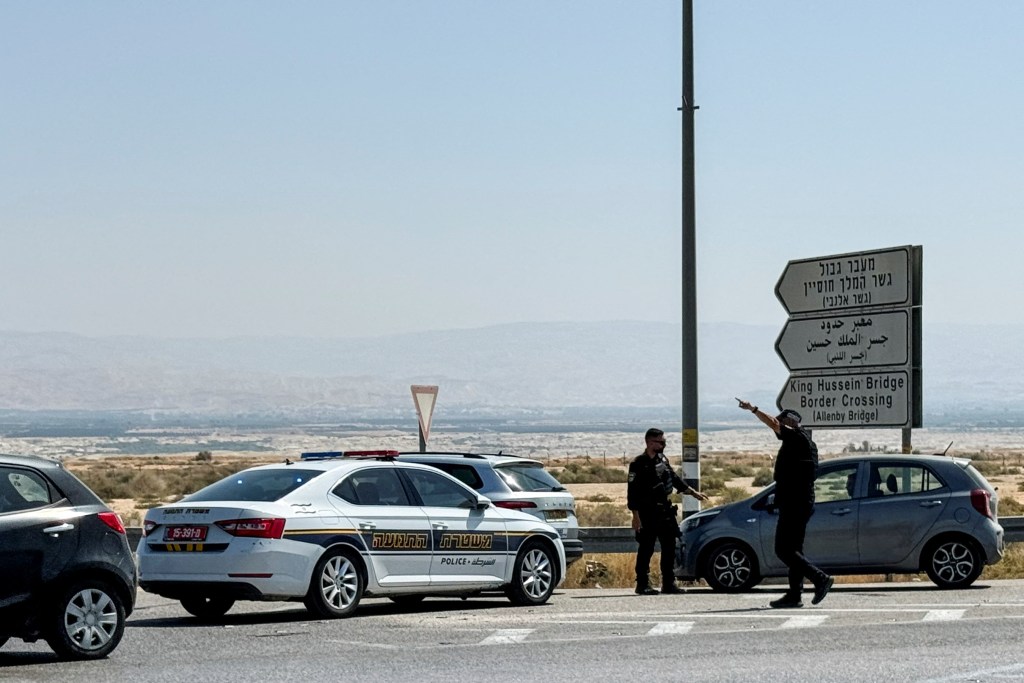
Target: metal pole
[
  {"x": 423, "y": 442},
  {"x": 691, "y": 449}
]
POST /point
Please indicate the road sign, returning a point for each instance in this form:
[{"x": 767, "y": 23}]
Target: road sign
[
  {"x": 851, "y": 341},
  {"x": 870, "y": 399},
  {"x": 424, "y": 396},
  {"x": 858, "y": 280}
]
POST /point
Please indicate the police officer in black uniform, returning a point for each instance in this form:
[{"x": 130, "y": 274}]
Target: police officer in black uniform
[
  {"x": 796, "y": 466},
  {"x": 651, "y": 481}
]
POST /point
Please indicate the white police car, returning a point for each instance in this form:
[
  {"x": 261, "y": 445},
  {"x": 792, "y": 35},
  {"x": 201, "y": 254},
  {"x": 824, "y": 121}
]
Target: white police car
[{"x": 334, "y": 527}]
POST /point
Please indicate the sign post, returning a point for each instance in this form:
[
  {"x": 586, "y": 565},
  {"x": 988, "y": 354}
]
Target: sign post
[
  {"x": 425, "y": 397},
  {"x": 852, "y": 343}
]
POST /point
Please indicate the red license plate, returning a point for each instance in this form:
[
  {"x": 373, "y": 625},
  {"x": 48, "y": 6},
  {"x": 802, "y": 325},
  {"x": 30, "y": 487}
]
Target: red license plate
[{"x": 185, "y": 534}]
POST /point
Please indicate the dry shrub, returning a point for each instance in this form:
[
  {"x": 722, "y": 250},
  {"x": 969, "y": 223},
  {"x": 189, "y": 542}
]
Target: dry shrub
[{"x": 603, "y": 514}]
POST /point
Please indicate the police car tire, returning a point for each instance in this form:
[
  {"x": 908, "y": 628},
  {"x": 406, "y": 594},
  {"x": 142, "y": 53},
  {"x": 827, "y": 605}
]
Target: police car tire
[
  {"x": 953, "y": 563},
  {"x": 207, "y": 608},
  {"x": 533, "y": 575},
  {"x": 85, "y": 621},
  {"x": 337, "y": 585}
]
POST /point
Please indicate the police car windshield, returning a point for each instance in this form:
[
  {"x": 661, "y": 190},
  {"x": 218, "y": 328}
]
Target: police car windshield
[
  {"x": 256, "y": 485},
  {"x": 524, "y": 476}
]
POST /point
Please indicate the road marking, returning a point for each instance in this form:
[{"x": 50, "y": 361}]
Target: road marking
[
  {"x": 507, "y": 636},
  {"x": 805, "y": 621},
  {"x": 943, "y": 615},
  {"x": 671, "y": 628}
]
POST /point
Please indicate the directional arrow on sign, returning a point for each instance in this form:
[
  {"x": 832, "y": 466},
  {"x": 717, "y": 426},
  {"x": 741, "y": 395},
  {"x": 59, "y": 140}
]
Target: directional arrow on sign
[
  {"x": 835, "y": 283},
  {"x": 851, "y": 341}
]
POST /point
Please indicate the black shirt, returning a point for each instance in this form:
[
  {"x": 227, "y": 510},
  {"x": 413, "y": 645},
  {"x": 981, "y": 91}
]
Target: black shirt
[
  {"x": 796, "y": 466},
  {"x": 650, "y": 483}
]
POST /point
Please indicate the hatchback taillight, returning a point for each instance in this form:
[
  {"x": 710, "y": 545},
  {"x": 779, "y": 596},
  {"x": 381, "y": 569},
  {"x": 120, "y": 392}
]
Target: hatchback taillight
[
  {"x": 264, "y": 527},
  {"x": 515, "y": 504},
  {"x": 980, "y": 499},
  {"x": 112, "y": 520}
]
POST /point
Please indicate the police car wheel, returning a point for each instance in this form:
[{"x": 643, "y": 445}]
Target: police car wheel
[
  {"x": 337, "y": 585},
  {"x": 731, "y": 568},
  {"x": 953, "y": 563},
  {"x": 533, "y": 575},
  {"x": 207, "y": 608},
  {"x": 3, "y": 640}
]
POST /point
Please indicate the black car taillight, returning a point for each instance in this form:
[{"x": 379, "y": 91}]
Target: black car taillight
[
  {"x": 112, "y": 520},
  {"x": 980, "y": 499}
]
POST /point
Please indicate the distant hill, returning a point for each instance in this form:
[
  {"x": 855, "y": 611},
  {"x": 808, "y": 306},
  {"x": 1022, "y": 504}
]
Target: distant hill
[{"x": 553, "y": 368}]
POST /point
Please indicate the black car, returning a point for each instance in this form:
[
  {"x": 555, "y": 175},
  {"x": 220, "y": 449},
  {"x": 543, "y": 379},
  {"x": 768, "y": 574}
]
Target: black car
[{"x": 67, "y": 574}]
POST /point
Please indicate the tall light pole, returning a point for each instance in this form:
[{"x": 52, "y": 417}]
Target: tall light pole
[{"x": 691, "y": 448}]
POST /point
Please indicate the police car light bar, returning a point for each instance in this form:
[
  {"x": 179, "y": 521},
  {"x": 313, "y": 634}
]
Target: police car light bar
[{"x": 327, "y": 455}]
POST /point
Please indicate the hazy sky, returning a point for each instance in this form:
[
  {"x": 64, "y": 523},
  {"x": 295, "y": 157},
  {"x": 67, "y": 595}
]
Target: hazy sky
[{"x": 353, "y": 168}]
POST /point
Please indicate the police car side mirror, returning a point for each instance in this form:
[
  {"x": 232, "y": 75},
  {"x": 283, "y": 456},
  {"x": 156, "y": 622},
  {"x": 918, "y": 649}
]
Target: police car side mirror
[{"x": 480, "y": 503}]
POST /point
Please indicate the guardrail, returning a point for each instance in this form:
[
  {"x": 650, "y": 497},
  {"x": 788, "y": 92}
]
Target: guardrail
[{"x": 620, "y": 539}]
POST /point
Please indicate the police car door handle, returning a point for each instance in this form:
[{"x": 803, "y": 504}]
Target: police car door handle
[
  {"x": 841, "y": 511},
  {"x": 440, "y": 525},
  {"x": 60, "y": 528},
  {"x": 367, "y": 525},
  {"x": 931, "y": 503}
]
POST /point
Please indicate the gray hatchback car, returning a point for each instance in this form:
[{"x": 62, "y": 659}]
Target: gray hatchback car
[{"x": 873, "y": 514}]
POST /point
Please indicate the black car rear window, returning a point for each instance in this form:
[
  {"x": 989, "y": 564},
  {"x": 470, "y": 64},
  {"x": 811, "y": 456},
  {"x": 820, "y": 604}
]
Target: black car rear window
[
  {"x": 528, "y": 477},
  {"x": 255, "y": 485}
]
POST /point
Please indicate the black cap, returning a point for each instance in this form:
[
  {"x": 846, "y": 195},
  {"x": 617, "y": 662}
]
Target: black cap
[{"x": 791, "y": 414}]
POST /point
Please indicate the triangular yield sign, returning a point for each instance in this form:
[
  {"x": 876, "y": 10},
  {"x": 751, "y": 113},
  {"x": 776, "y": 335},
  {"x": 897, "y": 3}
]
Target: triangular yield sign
[{"x": 424, "y": 396}]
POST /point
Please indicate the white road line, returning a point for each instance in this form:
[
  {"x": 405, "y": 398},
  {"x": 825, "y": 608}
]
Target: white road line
[
  {"x": 507, "y": 636},
  {"x": 671, "y": 628},
  {"x": 943, "y": 615},
  {"x": 805, "y": 621}
]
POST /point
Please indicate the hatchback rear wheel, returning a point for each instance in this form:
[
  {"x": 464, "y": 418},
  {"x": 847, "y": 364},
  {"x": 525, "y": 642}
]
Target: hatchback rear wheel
[
  {"x": 953, "y": 563},
  {"x": 86, "y": 621}
]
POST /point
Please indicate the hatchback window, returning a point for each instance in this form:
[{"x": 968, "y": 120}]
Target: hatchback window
[
  {"x": 891, "y": 480},
  {"x": 22, "y": 490},
  {"x": 528, "y": 477},
  {"x": 255, "y": 485},
  {"x": 836, "y": 484},
  {"x": 376, "y": 486}
]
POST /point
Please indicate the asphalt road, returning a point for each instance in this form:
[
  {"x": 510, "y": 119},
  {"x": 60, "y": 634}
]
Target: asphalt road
[{"x": 861, "y": 632}]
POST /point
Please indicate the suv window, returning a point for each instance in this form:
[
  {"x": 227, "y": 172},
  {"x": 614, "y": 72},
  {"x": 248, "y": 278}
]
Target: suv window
[
  {"x": 525, "y": 476},
  {"x": 257, "y": 485},
  {"x": 372, "y": 487},
  {"x": 467, "y": 474},
  {"x": 22, "y": 490},
  {"x": 437, "y": 491}
]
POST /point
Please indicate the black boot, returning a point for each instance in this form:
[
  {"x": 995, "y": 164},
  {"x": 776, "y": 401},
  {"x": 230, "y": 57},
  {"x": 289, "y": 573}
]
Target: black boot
[
  {"x": 645, "y": 589},
  {"x": 789, "y": 600}
]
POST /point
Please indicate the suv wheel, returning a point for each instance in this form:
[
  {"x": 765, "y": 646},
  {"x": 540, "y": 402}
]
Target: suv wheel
[
  {"x": 533, "y": 576},
  {"x": 336, "y": 587},
  {"x": 731, "y": 568},
  {"x": 207, "y": 608},
  {"x": 953, "y": 563},
  {"x": 86, "y": 620}
]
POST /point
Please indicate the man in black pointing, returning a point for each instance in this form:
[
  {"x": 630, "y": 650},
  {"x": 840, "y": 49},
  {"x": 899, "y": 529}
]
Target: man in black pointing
[
  {"x": 796, "y": 466},
  {"x": 651, "y": 481}
]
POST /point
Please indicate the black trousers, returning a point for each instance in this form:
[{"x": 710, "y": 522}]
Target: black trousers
[
  {"x": 660, "y": 526},
  {"x": 789, "y": 547}
]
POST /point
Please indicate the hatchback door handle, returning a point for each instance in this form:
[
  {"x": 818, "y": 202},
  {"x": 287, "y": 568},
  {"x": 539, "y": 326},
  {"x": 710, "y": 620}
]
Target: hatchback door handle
[
  {"x": 842, "y": 511},
  {"x": 931, "y": 503},
  {"x": 59, "y": 529}
]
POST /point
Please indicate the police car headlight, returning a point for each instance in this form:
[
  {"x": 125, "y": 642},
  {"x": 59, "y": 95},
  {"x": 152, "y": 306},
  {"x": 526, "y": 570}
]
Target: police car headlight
[{"x": 691, "y": 523}]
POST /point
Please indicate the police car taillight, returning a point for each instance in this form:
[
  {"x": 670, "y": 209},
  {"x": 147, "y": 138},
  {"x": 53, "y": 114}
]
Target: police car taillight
[
  {"x": 265, "y": 527},
  {"x": 515, "y": 504},
  {"x": 148, "y": 526}
]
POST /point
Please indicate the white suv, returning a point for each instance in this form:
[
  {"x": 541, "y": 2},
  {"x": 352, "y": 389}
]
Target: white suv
[{"x": 516, "y": 484}]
